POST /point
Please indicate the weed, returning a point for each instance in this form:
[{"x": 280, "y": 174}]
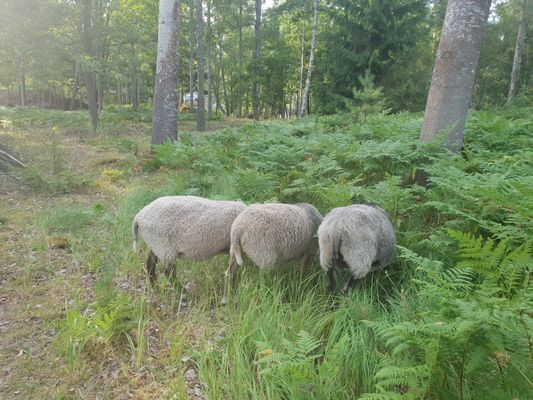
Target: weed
[{"x": 61, "y": 219}]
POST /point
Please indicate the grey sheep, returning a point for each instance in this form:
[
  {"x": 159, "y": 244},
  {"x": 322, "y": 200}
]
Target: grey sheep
[
  {"x": 272, "y": 233},
  {"x": 186, "y": 227},
  {"x": 360, "y": 237}
]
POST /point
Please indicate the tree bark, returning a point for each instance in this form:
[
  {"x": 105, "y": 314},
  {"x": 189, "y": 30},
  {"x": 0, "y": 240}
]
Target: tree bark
[
  {"x": 165, "y": 93},
  {"x": 119, "y": 93},
  {"x": 239, "y": 81},
  {"x": 22, "y": 84},
  {"x": 200, "y": 108},
  {"x": 300, "y": 93},
  {"x": 191, "y": 59},
  {"x": 519, "y": 49},
  {"x": 100, "y": 94},
  {"x": 455, "y": 67},
  {"x": 223, "y": 78},
  {"x": 257, "y": 55},
  {"x": 209, "y": 68},
  {"x": 311, "y": 60},
  {"x": 90, "y": 76},
  {"x": 135, "y": 89}
]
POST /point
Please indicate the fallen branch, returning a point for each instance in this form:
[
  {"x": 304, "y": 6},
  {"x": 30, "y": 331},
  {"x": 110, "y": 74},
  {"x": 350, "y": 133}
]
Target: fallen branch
[{"x": 7, "y": 158}]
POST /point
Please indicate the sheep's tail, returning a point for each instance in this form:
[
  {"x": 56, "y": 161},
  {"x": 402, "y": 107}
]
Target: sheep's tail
[
  {"x": 235, "y": 250},
  {"x": 329, "y": 252},
  {"x": 135, "y": 234}
]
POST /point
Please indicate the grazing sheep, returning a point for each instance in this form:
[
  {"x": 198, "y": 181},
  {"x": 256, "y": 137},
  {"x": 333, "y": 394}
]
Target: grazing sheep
[
  {"x": 272, "y": 233},
  {"x": 186, "y": 227},
  {"x": 360, "y": 237}
]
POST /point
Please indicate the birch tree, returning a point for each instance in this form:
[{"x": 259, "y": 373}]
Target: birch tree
[
  {"x": 311, "y": 60},
  {"x": 89, "y": 74},
  {"x": 209, "y": 41},
  {"x": 257, "y": 54},
  {"x": 165, "y": 91},
  {"x": 200, "y": 107},
  {"x": 454, "y": 71},
  {"x": 191, "y": 55},
  {"x": 519, "y": 49}
]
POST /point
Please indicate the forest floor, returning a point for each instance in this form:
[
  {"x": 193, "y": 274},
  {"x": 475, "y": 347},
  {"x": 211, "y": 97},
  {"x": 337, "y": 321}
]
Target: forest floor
[
  {"x": 43, "y": 273},
  {"x": 78, "y": 319}
]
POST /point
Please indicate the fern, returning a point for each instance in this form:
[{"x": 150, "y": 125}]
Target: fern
[
  {"x": 300, "y": 370},
  {"x": 498, "y": 264},
  {"x": 467, "y": 320}
]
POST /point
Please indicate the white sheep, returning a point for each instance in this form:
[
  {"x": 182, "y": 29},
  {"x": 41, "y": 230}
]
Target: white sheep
[
  {"x": 186, "y": 227},
  {"x": 272, "y": 233},
  {"x": 360, "y": 237}
]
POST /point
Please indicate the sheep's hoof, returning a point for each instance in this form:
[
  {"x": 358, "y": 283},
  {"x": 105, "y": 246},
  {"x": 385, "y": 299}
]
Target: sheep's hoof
[{"x": 224, "y": 301}]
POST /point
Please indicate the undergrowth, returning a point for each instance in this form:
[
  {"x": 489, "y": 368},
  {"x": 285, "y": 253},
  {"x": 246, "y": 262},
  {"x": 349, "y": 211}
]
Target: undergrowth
[{"x": 450, "y": 318}]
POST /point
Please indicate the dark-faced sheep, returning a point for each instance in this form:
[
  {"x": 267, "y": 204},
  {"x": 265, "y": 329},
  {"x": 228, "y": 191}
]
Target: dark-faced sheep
[
  {"x": 188, "y": 227},
  {"x": 272, "y": 233},
  {"x": 360, "y": 237}
]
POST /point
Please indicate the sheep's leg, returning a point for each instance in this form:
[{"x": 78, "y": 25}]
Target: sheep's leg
[
  {"x": 150, "y": 267},
  {"x": 170, "y": 272},
  {"x": 228, "y": 278},
  {"x": 349, "y": 285},
  {"x": 305, "y": 260},
  {"x": 331, "y": 280}
]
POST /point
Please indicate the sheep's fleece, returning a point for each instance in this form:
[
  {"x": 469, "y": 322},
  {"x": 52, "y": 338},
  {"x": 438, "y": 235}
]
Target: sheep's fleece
[
  {"x": 361, "y": 235},
  {"x": 187, "y": 227},
  {"x": 272, "y": 233}
]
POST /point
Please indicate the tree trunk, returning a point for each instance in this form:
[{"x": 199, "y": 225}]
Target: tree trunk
[
  {"x": 77, "y": 83},
  {"x": 50, "y": 103},
  {"x": 223, "y": 78},
  {"x": 191, "y": 59},
  {"x": 239, "y": 81},
  {"x": 519, "y": 49},
  {"x": 300, "y": 92},
  {"x": 216, "y": 82},
  {"x": 200, "y": 108},
  {"x": 90, "y": 76},
  {"x": 100, "y": 94},
  {"x": 454, "y": 71},
  {"x": 22, "y": 84},
  {"x": 135, "y": 89},
  {"x": 209, "y": 69},
  {"x": 257, "y": 55},
  {"x": 165, "y": 93},
  {"x": 311, "y": 60},
  {"x": 119, "y": 93}
]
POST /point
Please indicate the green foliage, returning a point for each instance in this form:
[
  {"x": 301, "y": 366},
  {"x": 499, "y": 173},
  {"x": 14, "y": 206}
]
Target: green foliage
[
  {"x": 396, "y": 39},
  {"x": 449, "y": 318},
  {"x": 299, "y": 371},
  {"x": 98, "y": 326},
  {"x": 369, "y": 99},
  {"x": 473, "y": 327},
  {"x": 455, "y": 315},
  {"x": 72, "y": 123},
  {"x": 65, "y": 181},
  {"x": 66, "y": 219}
]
